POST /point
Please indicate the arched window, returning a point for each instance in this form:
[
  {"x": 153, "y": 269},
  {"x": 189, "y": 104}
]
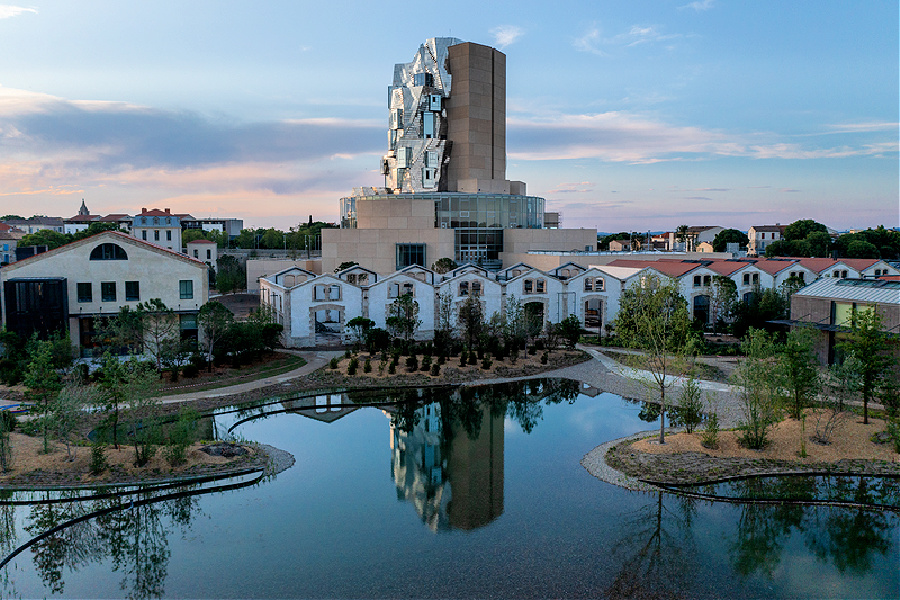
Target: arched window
[{"x": 108, "y": 252}]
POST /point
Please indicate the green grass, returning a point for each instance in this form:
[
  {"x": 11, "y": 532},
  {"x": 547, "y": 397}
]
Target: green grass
[{"x": 244, "y": 375}]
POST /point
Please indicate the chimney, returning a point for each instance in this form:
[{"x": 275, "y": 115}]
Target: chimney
[
  {"x": 167, "y": 211},
  {"x": 143, "y": 210}
]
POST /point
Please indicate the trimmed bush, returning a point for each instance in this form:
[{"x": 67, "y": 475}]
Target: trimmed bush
[
  {"x": 426, "y": 363},
  {"x": 435, "y": 370},
  {"x": 545, "y": 357},
  {"x": 352, "y": 366},
  {"x": 190, "y": 371},
  {"x": 412, "y": 364},
  {"x": 333, "y": 364},
  {"x": 367, "y": 366},
  {"x": 392, "y": 369}
]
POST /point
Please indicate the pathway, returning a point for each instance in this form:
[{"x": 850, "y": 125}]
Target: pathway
[{"x": 315, "y": 359}]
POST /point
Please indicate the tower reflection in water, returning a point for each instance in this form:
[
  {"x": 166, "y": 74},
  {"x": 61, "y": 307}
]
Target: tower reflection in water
[{"x": 452, "y": 474}]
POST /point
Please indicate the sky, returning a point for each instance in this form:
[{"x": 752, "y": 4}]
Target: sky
[{"x": 636, "y": 115}]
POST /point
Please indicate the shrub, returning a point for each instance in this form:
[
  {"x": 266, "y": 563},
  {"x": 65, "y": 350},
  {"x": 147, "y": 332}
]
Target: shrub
[
  {"x": 98, "y": 459},
  {"x": 352, "y": 366},
  {"x": 173, "y": 374},
  {"x": 435, "y": 369},
  {"x": 367, "y": 366},
  {"x": 532, "y": 350},
  {"x": 190, "y": 371},
  {"x": 463, "y": 358},
  {"x": 710, "y": 436},
  {"x": 441, "y": 360},
  {"x": 181, "y": 435},
  {"x": 392, "y": 369},
  {"x": 347, "y": 353},
  {"x": 480, "y": 353},
  {"x": 545, "y": 357},
  {"x": 9, "y": 420},
  {"x": 486, "y": 362},
  {"x": 690, "y": 406},
  {"x": 333, "y": 364},
  {"x": 412, "y": 364},
  {"x": 426, "y": 363},
  {"x": 539, "y": 344},
  {"x": 893, "y": 429}
]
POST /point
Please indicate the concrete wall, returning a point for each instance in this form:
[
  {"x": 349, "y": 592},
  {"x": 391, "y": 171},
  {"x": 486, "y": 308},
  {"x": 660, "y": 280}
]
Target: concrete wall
[
  {"x": 376, "y": 249},
  {"x": 520, "y": 241}
]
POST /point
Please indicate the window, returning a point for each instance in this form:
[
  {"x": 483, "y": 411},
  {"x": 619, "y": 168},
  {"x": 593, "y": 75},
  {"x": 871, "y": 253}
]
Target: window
[
  {"x": 746, "y": 278},
  {"x": 755, "y": 278},
  {"x": 707, "y": 280},
  {"x": 541, "y": 286},
  {"x": 132, "y": 291},
  {"x": 208, "y": 254},
  {"x": 85, "y": 293},
  {"x": 156, "y": 220},
  {"x": 144, "y": 235},
  {"x": 197, "y": 254},
  {"x": 327, "y": 292},
  {"x": 697, "y": 280},
  {"x": 169, "y": 235},
  {"x": 410, "y": 254},
  {"x": 186, "y": 289},
  {"x": 463, "y": 288},
  {"x": 108, "y": 252},
  {"x": 528, "y": 286},
  {"x": 156, "y": 235},
  {"x": 108, "y": 291}
]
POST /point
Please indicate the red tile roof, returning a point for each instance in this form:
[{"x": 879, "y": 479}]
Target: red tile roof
[
  {"x": 669, "y": 268},
  {"x": 817, "y": 264},
  {"x": 860, "y": 263},
  {"x": 773, "y": 267}
]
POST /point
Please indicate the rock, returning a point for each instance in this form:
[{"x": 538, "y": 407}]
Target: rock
[
  {"x": 882, "y": 437},
  {"x": 224, "y": 449}
]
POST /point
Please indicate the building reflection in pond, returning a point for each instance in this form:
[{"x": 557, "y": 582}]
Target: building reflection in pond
[{"x": 453, "y": 475}]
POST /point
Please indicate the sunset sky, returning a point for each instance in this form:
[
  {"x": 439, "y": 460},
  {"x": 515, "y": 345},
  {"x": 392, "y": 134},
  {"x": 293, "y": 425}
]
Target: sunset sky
[{"x": 624, "y": 115}]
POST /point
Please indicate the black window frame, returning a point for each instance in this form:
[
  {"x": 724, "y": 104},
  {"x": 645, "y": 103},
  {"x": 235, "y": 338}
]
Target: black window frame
[
  {"x": 80, "y": 292},
  {"x": 108, "y": 251},
  {"x": 409, "y": 254},
  {"x": 136, "y": 296},
  {"x": 105, "y": 288}
]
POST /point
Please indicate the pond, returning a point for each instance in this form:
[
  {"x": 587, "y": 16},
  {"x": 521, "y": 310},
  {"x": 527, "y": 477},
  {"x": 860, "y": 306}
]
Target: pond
[{"x": 462, "y": 493}]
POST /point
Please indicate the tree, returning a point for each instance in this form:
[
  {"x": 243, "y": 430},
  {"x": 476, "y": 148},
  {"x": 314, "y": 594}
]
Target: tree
[
  {"x": 360, "y": 327},
  {"x": 43, "y": 382},
  {"x": 95, "y": 228},
  {"x": 800, "y": 230},
  {"x": 729, "y": 236},
  {"x": 570, "y": 330},
  {"x": 192, "y": 235},
  {"x": 45, "y": 237},
  {"x": 471, "y": 320},
  {"x": 66, "y": 409},
  {"x": 403, "y": 318},
  {"x": 759, "y": 381},
  {"x": 122, "y": 381},
  {"x": 126, "y": 329},
  {"x": 214, "y": 320},
  {"x": 231, "y": 275},
  {"x": 161, "y": 331},
  {"x": 443, "y": 265},
  {"x": 862, "y": 249},
  {"x": 869, "y": 345},
  {"x": 273, "y": 239},
  {"x": 723, "y": 300},
  {"x": 798, "y": 369},
  {"x": 654, "y": 318},
  {"x": 345, "y": 265}
]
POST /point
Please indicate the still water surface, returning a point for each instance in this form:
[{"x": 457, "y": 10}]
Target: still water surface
[{"x": 471, "y": 494}]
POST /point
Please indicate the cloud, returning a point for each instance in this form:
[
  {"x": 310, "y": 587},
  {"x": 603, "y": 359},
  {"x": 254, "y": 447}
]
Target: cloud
[
  {"x": 506, "y": 35},
  {"x": 579, "y": 186},
  {"x": 592, "y": 40},
  {"x": 699, "y": 6},
  {"x": 697, "y": 198},
  {"x": 789, "y": 190},
  {"x": 619, "y": 136},
  {"x": 864, "y": 127},
  {"x": 7, "y": 11}
]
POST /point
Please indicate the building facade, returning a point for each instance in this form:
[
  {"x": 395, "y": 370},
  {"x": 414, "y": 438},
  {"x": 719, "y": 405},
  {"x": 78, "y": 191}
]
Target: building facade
[{"x": 76, "y": 286}]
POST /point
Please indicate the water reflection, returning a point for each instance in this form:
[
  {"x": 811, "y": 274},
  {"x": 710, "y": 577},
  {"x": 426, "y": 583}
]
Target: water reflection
[{"x": 131, "y": 533}]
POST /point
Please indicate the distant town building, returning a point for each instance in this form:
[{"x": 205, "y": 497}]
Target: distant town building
[
  {"x": 761, "y": 236},
  {"x": 159, "y": 227}
]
